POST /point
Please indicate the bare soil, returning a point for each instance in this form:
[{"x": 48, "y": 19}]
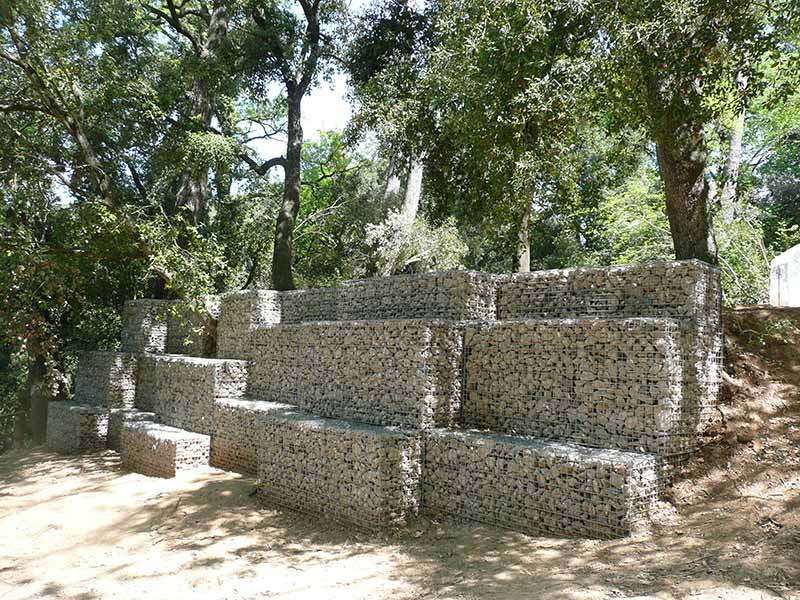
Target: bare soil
[{"x": 79, "y": 527}]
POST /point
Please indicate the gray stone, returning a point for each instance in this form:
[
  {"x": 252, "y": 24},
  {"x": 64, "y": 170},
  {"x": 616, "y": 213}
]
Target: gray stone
[
  {"x": 158, "y": 450},
  {"x": 76, "y": 428},
  {"x": 358, "y": 474},
  {"x": 106, "y": 379}
]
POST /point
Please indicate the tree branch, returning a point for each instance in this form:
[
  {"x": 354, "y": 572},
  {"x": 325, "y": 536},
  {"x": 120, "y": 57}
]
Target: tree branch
[
  {"x": 173, "y": 19},
  {"x": 265, "y": 166}
]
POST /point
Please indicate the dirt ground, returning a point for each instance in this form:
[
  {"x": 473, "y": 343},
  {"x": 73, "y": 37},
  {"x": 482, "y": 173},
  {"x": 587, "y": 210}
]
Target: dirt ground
[{"x": 79, "y": 527}]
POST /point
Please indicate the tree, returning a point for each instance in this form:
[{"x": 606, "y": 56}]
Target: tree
[
  {"x": 668, "y": 66},
  {"x": 493, "y": 94},
  {"x": 204, "y": 26},
  {"x": 295, "y": 48}
]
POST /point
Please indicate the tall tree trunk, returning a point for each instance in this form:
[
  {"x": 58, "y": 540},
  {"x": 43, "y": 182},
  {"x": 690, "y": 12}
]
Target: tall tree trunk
[
  {"x": 730, "y": 174},
  {"x": 413, "y": 191},
  {"x": 392, "y": 187},
  {"x": 193, "y": 189},
  {"x": 524, "y": 241},
  {"x": 39, "y": 395},
  {"x": 21, "y": 426},
  {"x": 682, "y": 155},
  {"x": 282, "y": 254}
]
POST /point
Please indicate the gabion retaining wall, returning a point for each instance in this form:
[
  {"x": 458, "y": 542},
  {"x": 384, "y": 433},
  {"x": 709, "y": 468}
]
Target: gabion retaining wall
[
  {"x": 398, "y": 373},
  {"x": 240, "y": 314},
  {"x": 238, "y": 432},
  {"x": 144, "y": 326},
  {"x": 689, "y": 291},
  {"x": 75, "y": 428},
  {"x": 368, "y": 476},
  {"x": 181, "y": 390},
  {"x": 624, "y": 357},
  {"x": 536, "y": 486},
  {"x": 106, "y": 379},
  {"x": 453, "y": 295},
  {"x": 118, "y": 417},
  {"x": 157, "y": 450},
  {"x": 611, "y": 383}
]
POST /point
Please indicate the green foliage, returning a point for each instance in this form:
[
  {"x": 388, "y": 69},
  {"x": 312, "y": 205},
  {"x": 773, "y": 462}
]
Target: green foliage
[{"x": 400, "y": 247}]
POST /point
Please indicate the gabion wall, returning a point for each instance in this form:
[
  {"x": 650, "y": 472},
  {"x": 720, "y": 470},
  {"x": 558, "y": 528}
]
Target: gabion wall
[
  {"x": 118, "y": 417},
  {"x": 368, "y": 476},
  {"x": 689, "y": 291},
  {"x": 76, "y": 428},
  {"x": 536, "y": 486},
  {"x": 238, "y": 432},
  {"x": 614, "y": 383},
  {"x": 144, "y": 326},
  {"x": 453, "y": 295},
  {"x": 313, "y": 304},
  {"x": 240, "y": 314},
  {"x": 621, "y": 357},
  {"x": 160, "y": 451},
  {"x": 181, "y": 390},
  {"x": 106, "y": 379},
  {"x": 399, "y": 373}
]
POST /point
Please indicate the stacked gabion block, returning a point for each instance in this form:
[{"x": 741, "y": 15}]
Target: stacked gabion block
[
  {"x": 687, "y": 291},
  {"x": 158, "y": 450},
  {"x": 452, "y": 295},
  {"x": 240, "y": 314},
  {"x": 118, "y": 417},
  {"x": 609, "y": 383},
  {"x": 537, "y": 486},
  {"x": 315, "y": 304},
  {"x": 181, "y": 390},
  {"x": 76, "y": 428},
  {"x": 404, "y": 373},
  {"x": 238, "y": 433},
  {"x": 106, "y": 379},
  {"x": 144, "y": 326},
  {"x": 359, "y": 474}
]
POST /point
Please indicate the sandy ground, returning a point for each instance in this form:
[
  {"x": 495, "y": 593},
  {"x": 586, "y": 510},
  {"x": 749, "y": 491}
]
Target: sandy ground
[{"x": 79, "y": 527}]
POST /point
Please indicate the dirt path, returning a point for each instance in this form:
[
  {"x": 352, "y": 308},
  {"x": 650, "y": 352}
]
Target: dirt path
[{"x": 78, "y": 527}]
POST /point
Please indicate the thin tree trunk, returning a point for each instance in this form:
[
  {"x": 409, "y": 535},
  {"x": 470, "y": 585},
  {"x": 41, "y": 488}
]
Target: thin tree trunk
[
  {"x": 392, "y": 187},
  {"x": 524, "y": 241},
  {"x": 682, "y": 155},
  {"x": 730, "y": 173},
  {"x": 282, "y": 255},
  {"x": 39, "y": 397},
  {"x": 21, "y": 426},
  {"x": 413, "y": 191}
]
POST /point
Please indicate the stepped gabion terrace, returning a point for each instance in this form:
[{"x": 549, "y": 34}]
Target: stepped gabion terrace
[{"x": 548, "y": 402}]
